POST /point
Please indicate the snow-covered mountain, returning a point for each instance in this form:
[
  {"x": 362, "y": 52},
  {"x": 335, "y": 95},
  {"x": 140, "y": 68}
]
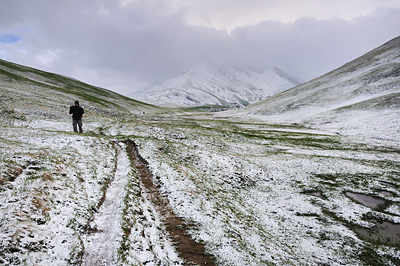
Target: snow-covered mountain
[
  {"x": 216, "y": 85},
  {"x": 362, "y": 95}
]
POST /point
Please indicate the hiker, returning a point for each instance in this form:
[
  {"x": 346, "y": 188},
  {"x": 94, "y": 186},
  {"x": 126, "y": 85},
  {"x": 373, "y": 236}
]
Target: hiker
[{"x": 77, "y": 113}]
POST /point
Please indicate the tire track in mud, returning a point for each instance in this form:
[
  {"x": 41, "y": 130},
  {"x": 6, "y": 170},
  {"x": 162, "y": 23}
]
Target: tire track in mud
[
  {"x": 104, "y": 232},
  {"x": 190, "y": 250}
]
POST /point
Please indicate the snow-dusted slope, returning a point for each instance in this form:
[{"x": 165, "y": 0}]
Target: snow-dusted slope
[
  {"x": 363, "y": 95},
  {"x": 212, "y": 85}
]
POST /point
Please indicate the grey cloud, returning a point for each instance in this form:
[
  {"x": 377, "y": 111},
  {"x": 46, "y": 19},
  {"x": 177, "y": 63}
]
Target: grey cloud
[
  {"x": 122, "y": 48},
  {"x": 310, "y": 47}
]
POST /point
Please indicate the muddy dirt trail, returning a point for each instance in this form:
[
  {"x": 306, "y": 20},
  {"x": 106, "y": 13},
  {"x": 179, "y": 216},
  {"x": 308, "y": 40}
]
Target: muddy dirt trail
[{"x": 190, "y": 250}]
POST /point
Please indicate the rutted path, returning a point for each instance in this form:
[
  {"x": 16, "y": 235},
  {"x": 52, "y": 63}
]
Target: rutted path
[
  {"x": 105, "y": 234},
  {"x": 190, "y": 250},
  {"x": 101, "y": 244}
]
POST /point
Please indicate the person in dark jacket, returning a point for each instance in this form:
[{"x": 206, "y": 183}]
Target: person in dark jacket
[{"x": 77, "y": 113}]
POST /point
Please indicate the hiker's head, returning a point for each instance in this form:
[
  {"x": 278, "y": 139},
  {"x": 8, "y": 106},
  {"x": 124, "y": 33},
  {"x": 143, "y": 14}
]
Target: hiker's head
[{"x": 76, "y": 103}]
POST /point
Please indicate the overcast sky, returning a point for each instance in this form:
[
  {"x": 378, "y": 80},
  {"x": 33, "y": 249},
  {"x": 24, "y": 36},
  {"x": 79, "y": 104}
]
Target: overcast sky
[{"x": 123, "y": 45}]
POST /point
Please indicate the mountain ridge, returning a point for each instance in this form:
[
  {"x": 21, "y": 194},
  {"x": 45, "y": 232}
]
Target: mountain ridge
[
  {"x": 368, "y": 85},
  {"x": 355, "y": 65}
]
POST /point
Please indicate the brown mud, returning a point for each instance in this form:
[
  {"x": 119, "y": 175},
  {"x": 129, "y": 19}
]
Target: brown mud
[{"x": 191, "y": 251}]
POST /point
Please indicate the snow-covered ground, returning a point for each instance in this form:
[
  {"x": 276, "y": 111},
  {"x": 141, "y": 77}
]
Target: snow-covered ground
[
  {"x": 70, "y": 199},
  {"x": 263, "y": 194},
  {"x": 254, "y": 193}
]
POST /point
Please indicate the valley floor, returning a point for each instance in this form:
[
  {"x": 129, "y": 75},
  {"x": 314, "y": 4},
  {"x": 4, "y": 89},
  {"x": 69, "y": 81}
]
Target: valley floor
[{"x": 248, "y": 193}]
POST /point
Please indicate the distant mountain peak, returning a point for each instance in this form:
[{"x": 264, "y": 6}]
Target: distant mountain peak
[{"x": 208, "y": 84}]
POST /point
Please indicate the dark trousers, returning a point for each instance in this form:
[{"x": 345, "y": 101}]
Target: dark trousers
[{"x": 75, "y": 124}]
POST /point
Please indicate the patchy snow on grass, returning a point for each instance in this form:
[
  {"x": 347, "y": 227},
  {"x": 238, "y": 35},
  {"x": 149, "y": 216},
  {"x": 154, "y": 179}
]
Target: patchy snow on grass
[
  {"x": 65, "y": 199},
  {"x": 253, "y": 193},
  {"x": 241, "y": 190}
]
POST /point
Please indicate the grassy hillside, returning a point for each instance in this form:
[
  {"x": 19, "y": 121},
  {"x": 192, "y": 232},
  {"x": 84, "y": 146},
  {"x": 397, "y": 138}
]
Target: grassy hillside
[
  {"x": 370, "y": 76},
  {"x": 34, "y": 92},
  {"x": 359, "y": 98}
]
